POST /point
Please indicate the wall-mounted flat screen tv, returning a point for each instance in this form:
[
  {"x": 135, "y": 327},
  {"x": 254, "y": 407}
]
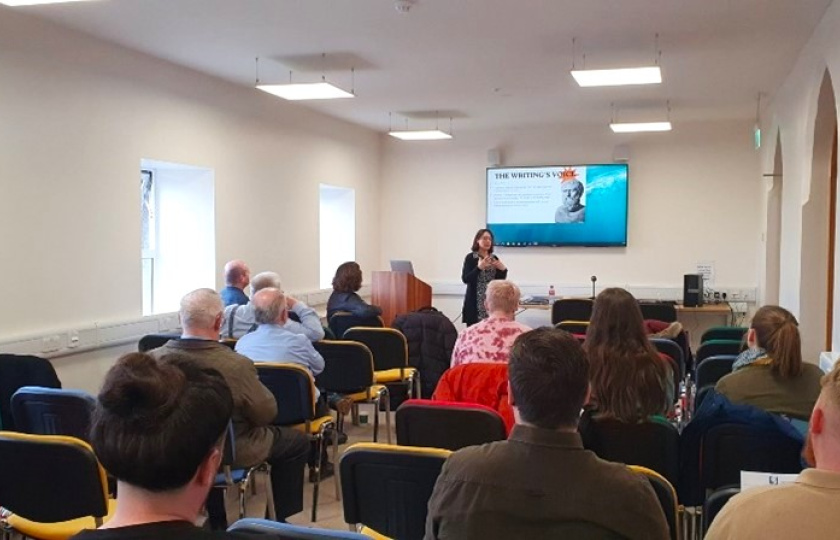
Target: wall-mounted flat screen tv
[{"x": 558, "y": 205}]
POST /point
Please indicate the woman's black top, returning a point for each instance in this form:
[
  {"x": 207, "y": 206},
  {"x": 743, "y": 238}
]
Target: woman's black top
[{"x": 477, "y": 281}]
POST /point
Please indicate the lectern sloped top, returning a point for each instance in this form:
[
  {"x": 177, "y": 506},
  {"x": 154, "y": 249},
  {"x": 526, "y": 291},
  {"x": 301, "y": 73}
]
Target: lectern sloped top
[{"x": 399, "y": 292}]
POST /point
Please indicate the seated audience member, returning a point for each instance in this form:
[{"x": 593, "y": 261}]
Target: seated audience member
[
  {"x": 630, "y": 380},
  {"x": 164, "y": 470},
  {"x": 254, "y": 407},
  {"x": 491, "y": 339},
  {"x": 346, "y": 283},
  {"x": 770, "y": 374},
  {"x": 237, "y": 277},
  {"x": 541, "y": 483},
  {"x": 239, "y": 319},
  {"x": 808, "y": 508},
  {"x": 271, "y": 342}
]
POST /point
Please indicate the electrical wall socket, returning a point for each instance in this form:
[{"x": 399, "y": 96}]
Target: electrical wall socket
[
  {"x": 72, "y": 339},
  {"x": 51, "y": 343}
]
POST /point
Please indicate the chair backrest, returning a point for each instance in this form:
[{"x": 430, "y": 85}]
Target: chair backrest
[
  {"x": 153, "y": 341},
  {"x": 651, "y": 444},
  {"x": 667, "y": 496},
  {"x": 388, "y": 487},
  {"x": 728, "y": 449},
  {"x": 718, "y": 347},
  {"x": 446, "y": 424},
  {"x": 673, "y": 350},
  {"x": 485, "y": 384},
  {"x": 293, "y": 388},
  {"x": 735, "y": 333},
  {"x": 50, "y": 478},
  {"x": 577, "y": 328},
  {"x": 571, "y": 309},
  {"x": 17, "y": 370},
  {"x": 53, "y": 411},
  {"x": 713, "y": 368},
  {"x": 659, "y": 311},
  {"x": 348, "y": 366},
  {"x": 341, "y": 321},
  {"x": 388, "y": 346},
  {"x": 701, "y": 394},
  {"x": 715, "y": 503},
  {"x": 287, "y": 531}
]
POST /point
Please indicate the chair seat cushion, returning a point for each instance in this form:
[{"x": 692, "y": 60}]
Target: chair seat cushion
[
  {"x": 393, "y": 375},
  {"x": 60, "y": 530},
  {"x": 236, "y": 475},
  {"x": 366, "y": 394},
  {"x": 314, "y": 425}
]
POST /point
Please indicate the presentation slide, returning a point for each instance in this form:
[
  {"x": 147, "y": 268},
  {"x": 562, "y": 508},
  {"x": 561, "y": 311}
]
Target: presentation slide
[{"x": 560, "y": 205}]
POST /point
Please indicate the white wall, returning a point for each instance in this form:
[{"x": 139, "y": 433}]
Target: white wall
[
  {"x": 692, "y": 198},
  {"x": 77, "y": 117},
  {"x": 792, "y": 115}
]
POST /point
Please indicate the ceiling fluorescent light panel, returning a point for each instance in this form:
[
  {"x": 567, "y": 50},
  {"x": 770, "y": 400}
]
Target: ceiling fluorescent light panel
[
  {"x": 16, "y": 3},
  {"x": 617, "y": 77},
  {"x": 421, "y": 135},
  {"x": 305, "y": 91},
  {"x": 640, "y": 127}
]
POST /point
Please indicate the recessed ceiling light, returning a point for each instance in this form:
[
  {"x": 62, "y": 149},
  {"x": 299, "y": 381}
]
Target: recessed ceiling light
[
  {"x": 617, "y": 77},
  {"x": 640, "y": 127},
  {"x": 16, "y": 3},
  {"x": 304, "y": 91},
  {"x": 421, "y": 135}
]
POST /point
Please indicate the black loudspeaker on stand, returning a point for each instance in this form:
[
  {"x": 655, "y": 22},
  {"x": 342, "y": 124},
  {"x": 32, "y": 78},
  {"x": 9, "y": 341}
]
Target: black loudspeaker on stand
[{"x": 693, "y": 290}]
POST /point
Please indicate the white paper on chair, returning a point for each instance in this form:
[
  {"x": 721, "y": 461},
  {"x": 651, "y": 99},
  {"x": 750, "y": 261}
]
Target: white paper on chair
[{"x": 752, "y": 479}]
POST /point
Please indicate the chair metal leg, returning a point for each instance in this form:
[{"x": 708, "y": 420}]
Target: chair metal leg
[
  {"x": 269, "y": 490},
  {"x": 387, "y": 397},
  {"x": 418, "y": 389},
  {"x": 316, "y": 489},
  {"x": 376, "y": 418},
  {"x": 335, "y": 466}
]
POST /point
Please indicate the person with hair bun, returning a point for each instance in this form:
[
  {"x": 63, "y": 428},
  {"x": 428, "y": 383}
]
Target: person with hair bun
[
  {"x": 770, "y": 374},
  {"x": 164, "y": 471}
]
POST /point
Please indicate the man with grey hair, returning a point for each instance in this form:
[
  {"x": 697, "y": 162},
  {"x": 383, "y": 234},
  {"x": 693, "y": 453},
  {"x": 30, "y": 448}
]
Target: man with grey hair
[
  {"x": 254, "y": 405},
  {"x": 237, "y": 276},
  {"x": 491, "y": 339},
  {"x": 273, "y": 342},
  {"x": 239, "y": 320}
]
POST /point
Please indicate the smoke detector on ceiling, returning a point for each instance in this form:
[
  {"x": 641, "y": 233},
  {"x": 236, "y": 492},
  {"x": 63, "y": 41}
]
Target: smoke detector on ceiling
[{"x": 403, "y": 6}]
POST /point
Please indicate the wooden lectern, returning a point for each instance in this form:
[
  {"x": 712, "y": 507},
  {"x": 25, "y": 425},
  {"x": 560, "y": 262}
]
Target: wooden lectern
[{"x": 397, "y": 293}]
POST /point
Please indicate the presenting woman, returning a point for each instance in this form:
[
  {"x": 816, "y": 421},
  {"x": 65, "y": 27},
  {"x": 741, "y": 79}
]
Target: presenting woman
[{"x": 480, "y": 268}]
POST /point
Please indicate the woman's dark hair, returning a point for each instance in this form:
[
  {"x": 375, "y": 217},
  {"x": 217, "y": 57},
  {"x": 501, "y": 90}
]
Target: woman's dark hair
[
  {"x": 348, "y": 277},
  {"x": 479, "y": 235},
  {"x": 156, "y": 421},
  {"x": 628, "y": 375},
  {"x": 777, "y": 332}
]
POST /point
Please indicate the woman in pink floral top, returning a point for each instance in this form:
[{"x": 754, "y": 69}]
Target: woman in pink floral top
[{"x": 491, "y": 339}]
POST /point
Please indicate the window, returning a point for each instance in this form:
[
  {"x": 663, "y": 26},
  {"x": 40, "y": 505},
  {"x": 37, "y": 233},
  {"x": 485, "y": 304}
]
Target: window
[
  {"x": 178, "y": 233},
  {"x": 337, "y": 230}
]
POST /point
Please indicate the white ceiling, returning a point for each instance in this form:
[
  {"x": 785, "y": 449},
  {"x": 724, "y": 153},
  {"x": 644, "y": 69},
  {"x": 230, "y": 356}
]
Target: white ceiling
[{"x": 496, "y": 63}]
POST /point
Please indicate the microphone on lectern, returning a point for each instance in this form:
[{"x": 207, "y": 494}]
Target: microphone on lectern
[{"x": 593, "y": 279}]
